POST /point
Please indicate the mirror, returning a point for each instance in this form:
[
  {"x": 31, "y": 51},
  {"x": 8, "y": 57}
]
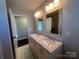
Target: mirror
[
  {"x": 40, "y": 25},
  {"x": 54, "y": 22}
]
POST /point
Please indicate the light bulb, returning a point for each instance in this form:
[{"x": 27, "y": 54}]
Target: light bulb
[
  {"x": 37, "y": 14},
  {"x": 56, "y": 3},
  {"x": 47, "y": 8},
  {"x": 51, "y": 6}
]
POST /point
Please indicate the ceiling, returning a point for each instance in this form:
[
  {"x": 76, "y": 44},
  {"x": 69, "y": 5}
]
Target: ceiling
[{"x": 24, "y": 4}]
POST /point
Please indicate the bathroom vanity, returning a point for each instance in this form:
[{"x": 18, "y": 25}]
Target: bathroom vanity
[{"x": 43, "y": 47}]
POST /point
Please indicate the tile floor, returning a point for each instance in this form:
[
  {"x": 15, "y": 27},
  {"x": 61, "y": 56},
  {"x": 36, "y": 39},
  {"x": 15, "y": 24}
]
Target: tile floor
[{"x": 24, "y": 52}]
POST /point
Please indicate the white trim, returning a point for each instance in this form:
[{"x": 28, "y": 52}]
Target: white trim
[{"x": 10, "y": 38}]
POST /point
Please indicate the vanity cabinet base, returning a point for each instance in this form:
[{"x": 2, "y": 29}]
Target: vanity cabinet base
[{"x": 40, "y": 52}]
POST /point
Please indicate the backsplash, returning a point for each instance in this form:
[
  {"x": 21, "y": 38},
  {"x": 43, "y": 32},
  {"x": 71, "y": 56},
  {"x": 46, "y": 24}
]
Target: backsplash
[{"x": 56, "y": 36}]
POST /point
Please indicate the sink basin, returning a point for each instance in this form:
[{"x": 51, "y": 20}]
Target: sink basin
[
  {"x": 44, "y": 42},
  {"x": 47, "y": 42},
  {"x": 50, "y": 44}
]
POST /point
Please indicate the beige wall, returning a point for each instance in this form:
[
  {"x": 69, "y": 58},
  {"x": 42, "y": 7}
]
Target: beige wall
[{"x": 41, "y": 9}]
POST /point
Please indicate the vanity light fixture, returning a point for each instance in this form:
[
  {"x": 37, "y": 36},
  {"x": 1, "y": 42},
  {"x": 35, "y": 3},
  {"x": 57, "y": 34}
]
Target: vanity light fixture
[{"x": 52, "y": 5}]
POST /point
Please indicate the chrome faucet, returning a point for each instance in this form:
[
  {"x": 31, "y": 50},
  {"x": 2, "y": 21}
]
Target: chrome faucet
[{"x": 50, "y": 37}]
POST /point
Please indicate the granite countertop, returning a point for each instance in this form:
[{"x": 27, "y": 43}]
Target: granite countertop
[{"x": 46, "y": 42}]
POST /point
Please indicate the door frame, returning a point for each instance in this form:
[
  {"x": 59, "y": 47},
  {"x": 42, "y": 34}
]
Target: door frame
[{"x": 12, "y": 19}]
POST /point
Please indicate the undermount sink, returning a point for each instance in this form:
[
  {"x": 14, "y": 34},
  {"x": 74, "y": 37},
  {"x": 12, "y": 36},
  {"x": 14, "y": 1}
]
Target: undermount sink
[
  {"x": 47, "y": 42},
  {"x": 44, "y": 42}
]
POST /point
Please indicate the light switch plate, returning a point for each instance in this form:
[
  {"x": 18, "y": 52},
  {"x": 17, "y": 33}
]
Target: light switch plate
[{"x": 67, "y": 33}]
